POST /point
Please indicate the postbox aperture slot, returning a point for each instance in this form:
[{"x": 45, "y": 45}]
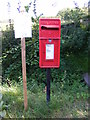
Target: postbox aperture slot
[{"x": 49, "y": 27}]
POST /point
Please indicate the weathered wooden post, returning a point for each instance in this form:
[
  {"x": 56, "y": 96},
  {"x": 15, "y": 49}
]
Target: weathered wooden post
[
  {"x": 24, "y": 72},
  {"x": 22, "y": 26}
]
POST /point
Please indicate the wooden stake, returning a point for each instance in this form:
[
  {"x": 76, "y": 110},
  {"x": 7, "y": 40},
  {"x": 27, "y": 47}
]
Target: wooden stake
[{"x": 24, "y": 72}]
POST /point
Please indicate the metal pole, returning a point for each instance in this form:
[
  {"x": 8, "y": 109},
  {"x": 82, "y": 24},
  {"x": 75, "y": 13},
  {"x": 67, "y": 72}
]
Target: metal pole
[{"x": 48, "y": 84}]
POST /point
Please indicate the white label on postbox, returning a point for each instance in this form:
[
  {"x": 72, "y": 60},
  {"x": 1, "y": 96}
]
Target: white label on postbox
[{"x": 49, "y": 51}]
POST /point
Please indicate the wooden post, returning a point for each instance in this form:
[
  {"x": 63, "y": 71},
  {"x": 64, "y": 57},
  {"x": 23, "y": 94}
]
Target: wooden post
[{"x": 24, "y": 72}]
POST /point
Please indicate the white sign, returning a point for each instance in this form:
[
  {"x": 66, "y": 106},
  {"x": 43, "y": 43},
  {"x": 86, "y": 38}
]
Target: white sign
[
  {"x": 22, "y": 25},
  {"x": 49, "y": 51}
]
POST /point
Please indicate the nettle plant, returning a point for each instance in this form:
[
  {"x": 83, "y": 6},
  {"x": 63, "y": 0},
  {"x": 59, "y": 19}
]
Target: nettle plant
[{"x": 2, "y": 112}]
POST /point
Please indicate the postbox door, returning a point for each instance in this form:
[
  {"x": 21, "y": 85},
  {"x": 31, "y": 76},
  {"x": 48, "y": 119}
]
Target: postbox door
[{"x": 50, "y": 53}]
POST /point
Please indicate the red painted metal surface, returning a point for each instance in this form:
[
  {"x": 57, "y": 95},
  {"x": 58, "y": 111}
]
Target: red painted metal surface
[{"x": 49, "y": 43}]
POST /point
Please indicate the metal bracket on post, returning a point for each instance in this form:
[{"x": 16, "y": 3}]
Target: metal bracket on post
[{"x": 48, "y": 84}]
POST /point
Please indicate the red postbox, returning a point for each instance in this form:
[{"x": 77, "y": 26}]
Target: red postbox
[{"x": 49, "y": 42}]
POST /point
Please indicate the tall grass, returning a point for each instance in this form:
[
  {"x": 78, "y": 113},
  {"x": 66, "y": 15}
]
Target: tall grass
[{"x": 63, "y": 104}]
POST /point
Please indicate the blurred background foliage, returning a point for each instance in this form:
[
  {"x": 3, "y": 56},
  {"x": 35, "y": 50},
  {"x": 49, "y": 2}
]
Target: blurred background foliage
[
  {"x": 74, "y": 50},
  {"x": 67, "y": 83}
]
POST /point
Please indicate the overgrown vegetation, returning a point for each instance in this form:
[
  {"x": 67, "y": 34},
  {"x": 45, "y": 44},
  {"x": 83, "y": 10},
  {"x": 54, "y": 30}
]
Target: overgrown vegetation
[
  {"x": 74, "y": 38},
  {"x": 2, "y": 111},
  {"x": 66, "y": 101},
  {"x": 69, "y": 93}
]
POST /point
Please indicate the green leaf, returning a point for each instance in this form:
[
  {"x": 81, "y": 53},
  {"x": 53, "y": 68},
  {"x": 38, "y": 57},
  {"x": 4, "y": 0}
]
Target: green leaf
[
  {"x": 0, "y": 96},
  {"x": 1, "y": 103},
  {"x": 27, "y": 8},
  {"x": 3, "y": 113}
]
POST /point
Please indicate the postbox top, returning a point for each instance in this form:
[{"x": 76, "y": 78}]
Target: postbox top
[
  {"x": 49, "y": 28},
  {"x": 49, "y": 19},
  {"x": 50, "y": 22}
]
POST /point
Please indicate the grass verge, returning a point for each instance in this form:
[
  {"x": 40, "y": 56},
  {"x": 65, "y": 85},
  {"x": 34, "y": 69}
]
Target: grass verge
[{"x": 63, "y": 104}]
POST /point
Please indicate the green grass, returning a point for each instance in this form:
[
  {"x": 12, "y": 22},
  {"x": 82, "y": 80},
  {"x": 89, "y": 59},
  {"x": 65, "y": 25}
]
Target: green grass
[{"x": 63, "y": 103}]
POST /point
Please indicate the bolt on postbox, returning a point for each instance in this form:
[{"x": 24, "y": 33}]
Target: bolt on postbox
[{"x": 49, "y": 43}]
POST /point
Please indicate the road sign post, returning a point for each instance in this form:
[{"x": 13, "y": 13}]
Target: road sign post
[{"x": 23, "y": 29}]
